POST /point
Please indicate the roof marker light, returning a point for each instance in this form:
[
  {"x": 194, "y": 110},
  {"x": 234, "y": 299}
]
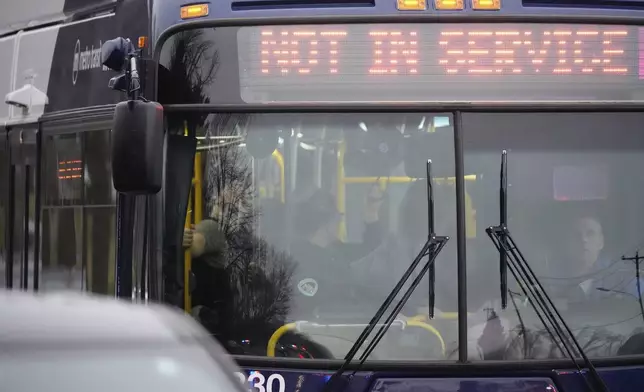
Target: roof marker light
[
  {"x": 486, "y": 5},
  {"x": 449, "y": 4},
  {"x": 194, "y": 11},
  {"x": 412, "y": 5}
]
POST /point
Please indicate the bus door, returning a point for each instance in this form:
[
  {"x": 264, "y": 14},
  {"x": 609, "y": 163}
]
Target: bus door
[
  {"x": 4, "y": 196},
  {"x": 22, "y": 216}
]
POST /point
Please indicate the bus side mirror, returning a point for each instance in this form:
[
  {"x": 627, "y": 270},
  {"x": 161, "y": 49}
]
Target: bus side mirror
[{"x": 137, "y": 147}]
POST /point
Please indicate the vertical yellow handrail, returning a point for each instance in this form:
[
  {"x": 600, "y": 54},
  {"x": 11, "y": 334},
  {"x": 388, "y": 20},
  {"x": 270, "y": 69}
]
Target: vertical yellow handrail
[
  {"x": 340, "y": 199},
  {"x": 280, "y": 161},
  {"x": 267, "y": 192},
  {"x": 187, "y": 257},
  {"x": 192, "y": 216},
  {"x": 197, "y": 182}
]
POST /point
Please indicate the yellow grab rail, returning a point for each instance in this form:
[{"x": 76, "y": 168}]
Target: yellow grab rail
[
  {"x": 272, "y": 342},
  {"x": 413, "y": 322},
  {"x": 470, "y": 213}
]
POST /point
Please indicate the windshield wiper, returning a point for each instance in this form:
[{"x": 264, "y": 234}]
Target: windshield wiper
[
  {"x": 431, "y": 249},
  {"x": 512, "y": 259}
]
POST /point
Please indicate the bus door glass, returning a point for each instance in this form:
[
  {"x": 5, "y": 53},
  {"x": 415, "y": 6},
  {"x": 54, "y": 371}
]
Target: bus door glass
[
  {"x": 22, "y": 216},
  {"x": 4, "y": 194}
]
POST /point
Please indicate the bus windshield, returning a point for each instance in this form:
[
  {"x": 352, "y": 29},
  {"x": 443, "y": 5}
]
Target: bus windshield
[
  {"x": 308, "y": 222},
  {"x": 299, "y": 225}
]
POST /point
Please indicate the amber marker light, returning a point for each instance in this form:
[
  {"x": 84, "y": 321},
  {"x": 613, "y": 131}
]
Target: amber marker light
[
  {"x": 194, "y": 11},
  {"x": 412, "y": 5},
  {"x": 449, "y": 4},
  {"x": 486, "y": 5}
]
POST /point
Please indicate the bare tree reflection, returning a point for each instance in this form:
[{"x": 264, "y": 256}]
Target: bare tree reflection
[
  {"x": 193, "y": 65},
  {"x": 189, "y": 63},
  {"x": 229, "y": 187},
  {"x": 596, "y": 342},
  {"x": 260, "y": 276},
  {"x": 257, "y": 299},
  {"x": 261, "y": 280}
]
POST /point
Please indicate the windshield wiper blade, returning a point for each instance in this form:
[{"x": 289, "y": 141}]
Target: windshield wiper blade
[
  {"x": 432, "y": 248},
  {"x": 534, "y": 291},
  {"x": 436, "y": 244},
  {"x": 431, "y": 231},
  {"x": 503, "y": 212}
]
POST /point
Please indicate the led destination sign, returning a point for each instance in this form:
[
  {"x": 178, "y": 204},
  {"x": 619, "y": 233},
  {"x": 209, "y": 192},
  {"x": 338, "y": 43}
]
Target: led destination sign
[
  {"x": 278, "y": 58},
  {"x": 323, "y": 51}
]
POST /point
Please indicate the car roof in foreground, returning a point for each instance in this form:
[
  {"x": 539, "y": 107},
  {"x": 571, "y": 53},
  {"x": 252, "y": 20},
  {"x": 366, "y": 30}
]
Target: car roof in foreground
[{"x": 77, "y": 318}]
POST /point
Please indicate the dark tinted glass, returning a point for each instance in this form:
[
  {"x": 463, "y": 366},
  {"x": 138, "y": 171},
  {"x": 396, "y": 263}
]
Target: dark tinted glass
[{"x": 78, "y": 213}]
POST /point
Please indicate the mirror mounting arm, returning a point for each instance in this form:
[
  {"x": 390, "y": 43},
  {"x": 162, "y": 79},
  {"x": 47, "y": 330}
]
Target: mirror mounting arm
[
  {"x": 121, "y": 55},
  {"x": 132, "y": 75}
]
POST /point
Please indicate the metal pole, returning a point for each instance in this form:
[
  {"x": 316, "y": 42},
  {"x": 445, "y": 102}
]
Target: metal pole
[{"x": 460, "y": 238}]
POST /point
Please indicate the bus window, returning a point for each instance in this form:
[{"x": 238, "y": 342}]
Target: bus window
[
  {"x": 62, "y": 219},
  {"x": 327, "y": 252},
  {"x": 99, "y": 214},
  {"x": 78, "y": 213},
  {"x": 575, "y": 186}
]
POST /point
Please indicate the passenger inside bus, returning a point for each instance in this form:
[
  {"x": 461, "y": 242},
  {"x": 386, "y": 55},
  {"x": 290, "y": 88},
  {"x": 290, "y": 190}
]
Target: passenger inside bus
[
  {"x": 317, "y": 250},
  {"x": 588, "y": 265},
  {"x": 592, "y": 264},
  {"x": 588, "y": 284},
  {"x": 231, "y": 266},
  {"x": 207, "y": 245},
  {"x": 582, "y": 272}
]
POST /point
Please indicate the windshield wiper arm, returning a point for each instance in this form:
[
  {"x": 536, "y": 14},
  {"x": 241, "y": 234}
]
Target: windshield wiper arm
[
  {"x": 534, "y": 291},
  {"x": 432, "y": 248},
  {"x": 436, "y": 245}
]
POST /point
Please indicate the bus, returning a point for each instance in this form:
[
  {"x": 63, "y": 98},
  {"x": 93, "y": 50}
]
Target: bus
[
  {"x": 57, "y": 204},
  {"x": 272, "y": 182}
]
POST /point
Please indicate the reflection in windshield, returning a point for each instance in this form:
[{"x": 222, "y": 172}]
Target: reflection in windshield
[{"x": 308, "y": 221}]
